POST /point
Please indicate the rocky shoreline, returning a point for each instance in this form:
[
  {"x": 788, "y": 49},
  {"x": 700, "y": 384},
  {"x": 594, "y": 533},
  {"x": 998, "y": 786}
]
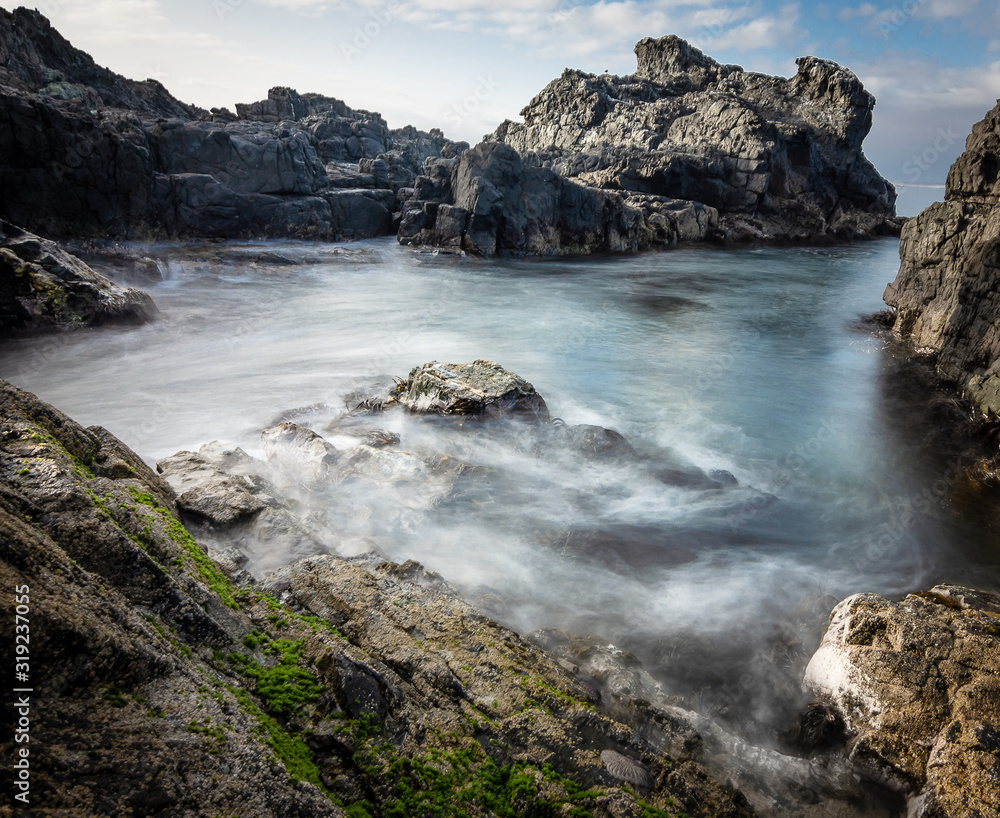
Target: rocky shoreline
[{"x": 211, "y": 677}]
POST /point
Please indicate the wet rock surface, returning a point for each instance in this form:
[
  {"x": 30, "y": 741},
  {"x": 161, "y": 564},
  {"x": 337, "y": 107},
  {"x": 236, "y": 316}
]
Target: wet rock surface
[
  {"x": 367, "y": 685},
  {"x": 470, "y": 389},
  {"x": 44, "y": 288},
  {"x": 944, "y": 295},
  {"x": 917, "y": 684}
]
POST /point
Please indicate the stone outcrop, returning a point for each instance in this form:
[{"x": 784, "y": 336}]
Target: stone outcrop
[
  {"x": 489, "y": 202},
  {"x": 42, "y": 287},
  {"x": 85, "y": 152},
  {"x": 777, "y": 158},
  {"x": 917, "y": 684},
  {"x": 348, "y": 687},
  {"x": 945, "y": 295}
]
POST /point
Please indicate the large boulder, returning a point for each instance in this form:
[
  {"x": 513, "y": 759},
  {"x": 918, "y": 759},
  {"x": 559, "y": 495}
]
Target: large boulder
[
  {"x": 477, "y": 388},
  {"x": 42, "y": 287},
  {"x": 945, "y": 294},
  {"x": 778, "y": 158},
  {"x": 917, "y": 684}
]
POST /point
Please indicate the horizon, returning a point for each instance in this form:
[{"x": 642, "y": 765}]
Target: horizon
[{"x": 933, "y": 65}]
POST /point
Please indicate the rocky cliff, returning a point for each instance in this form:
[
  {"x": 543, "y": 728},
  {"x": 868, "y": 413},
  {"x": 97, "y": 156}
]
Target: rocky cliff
[
  {"x": 85, "y": 152},
  {"x": 945, "y": 294},
  {"x": 778, "y": 158}
]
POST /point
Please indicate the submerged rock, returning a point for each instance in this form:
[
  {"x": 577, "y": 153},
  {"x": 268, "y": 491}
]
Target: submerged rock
[
  {"x": 480, "y": 388},
  {"x": 42, "y": 287},
  {"x": 945, "y": 294},
  {"x": 917, "y": 684}
]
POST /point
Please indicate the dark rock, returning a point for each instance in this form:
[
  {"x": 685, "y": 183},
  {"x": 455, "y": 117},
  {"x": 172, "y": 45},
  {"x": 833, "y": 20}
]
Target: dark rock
[
  {"x": 479, "y": 388},
  {"x": 945, "y": 294},
  {"x": 778, "y": 158},
  {"x": 84, "y": 152},
  {"x": 42, "y": 287},
  {"x": 489, "y": 203}
]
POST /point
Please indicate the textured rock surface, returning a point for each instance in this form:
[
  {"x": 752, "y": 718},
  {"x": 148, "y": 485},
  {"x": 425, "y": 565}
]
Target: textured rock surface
[
  {"x": 918, "y": 686},
  {"x": 169, "y": 690},
  {"x": 42, "y": 287},
  {"x": 778, "y": 158},
  {"x": 945, "y": 294},
  {"x": 489, "y": 202},
  {"x": 85, "y": 152},
  {"x": 470, "y": 389}
]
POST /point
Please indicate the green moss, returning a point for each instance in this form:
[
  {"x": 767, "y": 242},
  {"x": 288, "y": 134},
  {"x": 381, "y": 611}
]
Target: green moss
[
  {"x": 23, "y": 471},
  {"x": 285, "y": 686},
  {"x": 291, "y": 750},
  {"x": 209, "y": 572},
  {"x": 466, "y": 782},
  {"x": 116, "y": 697}
]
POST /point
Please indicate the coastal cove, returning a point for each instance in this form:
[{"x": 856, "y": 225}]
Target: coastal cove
[{"x": 753, "y": 361}]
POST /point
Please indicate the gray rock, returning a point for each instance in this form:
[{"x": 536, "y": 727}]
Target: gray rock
[
  {"x": 84, "y": 152},
  {"x": 945, "y": 294},
  {"x": 489, "y": 203},
  {"x": 917, "y": 684},
  {"x": 42, "y": 287},
  {"x": 477, "y": 388},
  {"x": 778, "y": 158}
]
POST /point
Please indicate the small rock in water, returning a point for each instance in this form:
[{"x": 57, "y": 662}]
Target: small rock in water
[{"x": 627, "y": 769}]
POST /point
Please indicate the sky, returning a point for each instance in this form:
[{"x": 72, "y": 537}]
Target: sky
[{"x": 466, "y": 65}]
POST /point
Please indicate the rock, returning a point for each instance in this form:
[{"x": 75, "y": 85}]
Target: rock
[
  {"x": 489, "y": 203},
  {"x": 364, "y": 681},
  {"x": 480, "y": 388},
  {"x": 42, "y": 287},
  {"x": 777, "y": 158},
  {"x": 229, "y": 500},
  {"x": 299, "y": 452},
  {"x": 85, "y": 152},
  {"x": 944, "y": 295},
  {"x": 917, "y": 684}
]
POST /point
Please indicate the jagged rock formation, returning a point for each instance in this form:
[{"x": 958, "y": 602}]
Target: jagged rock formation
[
  {"x": 945, "y": 294},
  {"x": 42, "y": 287},
  {"x": 778, "y": 158},
  {"x": 489, "y": 202},
  {"x": 85, "y": 152},
  {"x": 917, "y": 684},
  {"x": 161, "y": 687}
]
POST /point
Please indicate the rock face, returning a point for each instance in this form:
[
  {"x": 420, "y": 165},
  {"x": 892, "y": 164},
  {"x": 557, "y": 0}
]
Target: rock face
[
  {"x": 489, "y": 202},
  {"x": 368, "y": 688},
  {"x": 85, "y": 152},
  {"x": 945, "y": 294},
  {"x": 42, "y": 287},
  {"x": 917, "y": 684},
  {"x": 470, "y": 389},
  {"x": 777, "y": 158}
]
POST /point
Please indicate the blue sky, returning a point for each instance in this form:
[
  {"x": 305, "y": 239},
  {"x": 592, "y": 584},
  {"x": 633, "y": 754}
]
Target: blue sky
[{"x": 465, "y": 65}]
